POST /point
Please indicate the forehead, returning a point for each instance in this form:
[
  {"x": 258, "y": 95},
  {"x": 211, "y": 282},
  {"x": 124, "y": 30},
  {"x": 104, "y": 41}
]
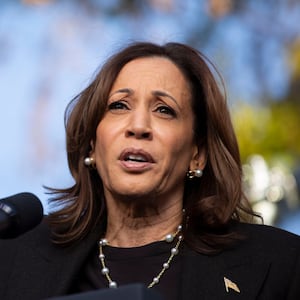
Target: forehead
[
  {"x": 159, "y": 72},
  {"x": 150, "y": 62},
  {"x": 160, "y": 66}
]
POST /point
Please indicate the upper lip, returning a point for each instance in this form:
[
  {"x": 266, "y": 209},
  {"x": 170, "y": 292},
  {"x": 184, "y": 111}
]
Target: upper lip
[{"x": 137, "y": 153}]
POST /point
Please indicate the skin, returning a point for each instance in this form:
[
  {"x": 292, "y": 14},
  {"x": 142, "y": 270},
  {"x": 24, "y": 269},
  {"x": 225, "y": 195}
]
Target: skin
[{"x": 144, "y": 147}]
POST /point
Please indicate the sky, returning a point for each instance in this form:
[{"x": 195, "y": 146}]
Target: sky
[{"x": 49, "y": 53}]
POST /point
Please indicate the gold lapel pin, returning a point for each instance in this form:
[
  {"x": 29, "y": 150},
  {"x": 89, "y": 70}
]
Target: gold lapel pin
[{"x": 231, "y": 285}]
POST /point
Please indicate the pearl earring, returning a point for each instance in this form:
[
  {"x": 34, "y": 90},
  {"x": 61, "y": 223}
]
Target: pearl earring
[
  {"x": 90, "y": 162},
  {"x": 195, "y": 173},
  {"x": 198, "y": 173}
]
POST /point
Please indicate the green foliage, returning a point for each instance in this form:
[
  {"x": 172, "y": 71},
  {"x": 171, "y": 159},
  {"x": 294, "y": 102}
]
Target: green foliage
[{"x": 272, "y": 131}]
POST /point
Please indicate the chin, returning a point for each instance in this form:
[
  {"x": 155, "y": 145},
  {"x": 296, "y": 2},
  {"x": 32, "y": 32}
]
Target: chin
[
  {"x": 136, "y": 192},
  {"x": 129, "y": 185}
]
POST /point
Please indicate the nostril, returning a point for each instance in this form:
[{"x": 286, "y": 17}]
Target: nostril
[
  {"x": 130, "y": 133},
  {"x": 146, "y": 135},
  {"x": 139, "y": 134}
]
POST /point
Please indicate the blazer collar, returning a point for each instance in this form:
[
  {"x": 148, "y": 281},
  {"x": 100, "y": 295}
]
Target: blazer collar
[{"x": 221, "y": 276}]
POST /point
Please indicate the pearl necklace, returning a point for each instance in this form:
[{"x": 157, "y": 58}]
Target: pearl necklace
[{"x": 174, "y": 251}]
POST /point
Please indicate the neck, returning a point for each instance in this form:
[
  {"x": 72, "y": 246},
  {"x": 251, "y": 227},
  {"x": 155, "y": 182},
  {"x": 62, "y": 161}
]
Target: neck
[{"x": 132, "y": 225}]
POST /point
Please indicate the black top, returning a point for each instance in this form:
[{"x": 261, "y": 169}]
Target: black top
[
  {"x": 131, "y": 265},
  {"x": 265, "y": 265}
]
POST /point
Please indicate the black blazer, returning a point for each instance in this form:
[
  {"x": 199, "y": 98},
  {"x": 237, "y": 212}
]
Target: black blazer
[{"x": 264, "y": 266}]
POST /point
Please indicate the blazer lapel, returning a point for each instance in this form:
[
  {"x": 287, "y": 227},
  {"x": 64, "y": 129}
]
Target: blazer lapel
[
  {"x": 49, "y": 268},
  {"x": 224, "y": 276}
]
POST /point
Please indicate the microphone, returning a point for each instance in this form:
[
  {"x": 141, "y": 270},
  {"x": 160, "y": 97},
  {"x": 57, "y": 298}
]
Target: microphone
[
  {"x": 18, "y": 214},
  {"x": 134, "y": 291}
]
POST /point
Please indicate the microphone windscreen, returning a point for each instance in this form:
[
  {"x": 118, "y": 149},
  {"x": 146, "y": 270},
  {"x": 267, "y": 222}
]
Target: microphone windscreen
[{"x": 25, "y": 211}]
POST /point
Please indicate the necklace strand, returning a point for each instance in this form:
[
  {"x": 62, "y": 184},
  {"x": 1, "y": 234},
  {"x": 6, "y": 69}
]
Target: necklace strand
[{"x": 174, "y": 251}]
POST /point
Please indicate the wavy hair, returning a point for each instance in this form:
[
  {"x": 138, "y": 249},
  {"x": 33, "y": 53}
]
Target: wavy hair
[{"x": 212, "y": 202}]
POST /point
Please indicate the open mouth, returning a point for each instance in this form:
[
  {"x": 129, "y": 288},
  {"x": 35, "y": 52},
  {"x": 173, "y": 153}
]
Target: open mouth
[{"x": 138, "y": 156}]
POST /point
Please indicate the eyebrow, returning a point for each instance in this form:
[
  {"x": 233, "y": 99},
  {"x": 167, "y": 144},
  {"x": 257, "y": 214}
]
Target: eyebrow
[
  {"x": 156, "y": 93},
  {"x": 125, "y": 90},
  {"x": 164, "y": 94}
]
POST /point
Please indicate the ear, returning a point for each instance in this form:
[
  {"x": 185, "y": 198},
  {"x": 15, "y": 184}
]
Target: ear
[
  {"x": 198, "y": 159},
  {"x": 92, "y": 151}
]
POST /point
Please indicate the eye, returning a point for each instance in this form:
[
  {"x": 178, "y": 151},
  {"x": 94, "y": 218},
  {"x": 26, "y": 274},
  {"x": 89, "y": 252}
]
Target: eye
[
  {"x": 166, "y": 110},
  {"x": 117, "y": 105}
]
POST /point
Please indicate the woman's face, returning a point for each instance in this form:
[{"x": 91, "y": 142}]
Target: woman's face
[{"x": 144, "y": 143}]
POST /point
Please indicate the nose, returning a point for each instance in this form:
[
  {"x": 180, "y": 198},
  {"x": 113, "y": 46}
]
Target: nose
[{"x": 139, "y": 125}]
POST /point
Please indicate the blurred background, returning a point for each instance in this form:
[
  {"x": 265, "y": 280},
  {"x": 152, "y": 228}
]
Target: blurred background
[{"x": 49, "y": 51}]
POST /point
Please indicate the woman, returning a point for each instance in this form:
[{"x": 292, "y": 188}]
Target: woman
[{"x": 157, "y": 197}]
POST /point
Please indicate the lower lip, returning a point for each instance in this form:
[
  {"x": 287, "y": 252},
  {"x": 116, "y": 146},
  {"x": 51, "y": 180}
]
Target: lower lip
[{"x": 133, "y": 166}]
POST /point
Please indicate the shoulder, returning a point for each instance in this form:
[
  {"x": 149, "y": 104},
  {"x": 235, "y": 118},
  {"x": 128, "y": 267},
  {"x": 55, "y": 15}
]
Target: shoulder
[
  {"x": 268, "y": 235},
  {"x": 265, "y": 241},
  {"x": 39, "y": 235},
  {"x": 264, "y": 263},
  {"x": 20, "y": 253}
]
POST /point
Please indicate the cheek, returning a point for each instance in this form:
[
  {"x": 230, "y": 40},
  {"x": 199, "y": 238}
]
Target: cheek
[
  {"x": 106, "y": 146},
  {"x": 180, "y": 150},
  {"x": 103, "y": 134},
  {"x": 102, "y": 142}
]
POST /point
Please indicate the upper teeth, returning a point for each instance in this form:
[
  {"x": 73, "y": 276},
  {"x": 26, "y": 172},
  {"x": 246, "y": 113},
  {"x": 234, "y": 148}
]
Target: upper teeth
[{"x": 136, "y": 157}]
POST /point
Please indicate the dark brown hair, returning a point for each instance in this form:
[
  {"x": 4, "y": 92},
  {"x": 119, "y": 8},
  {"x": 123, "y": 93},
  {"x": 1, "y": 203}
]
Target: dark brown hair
[{"x": 212, "y": 202}]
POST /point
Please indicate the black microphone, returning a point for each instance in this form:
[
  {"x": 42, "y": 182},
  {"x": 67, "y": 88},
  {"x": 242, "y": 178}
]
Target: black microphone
[
  {"x": 135, "y": 291},
  {"x": 18, "y": 214}
]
